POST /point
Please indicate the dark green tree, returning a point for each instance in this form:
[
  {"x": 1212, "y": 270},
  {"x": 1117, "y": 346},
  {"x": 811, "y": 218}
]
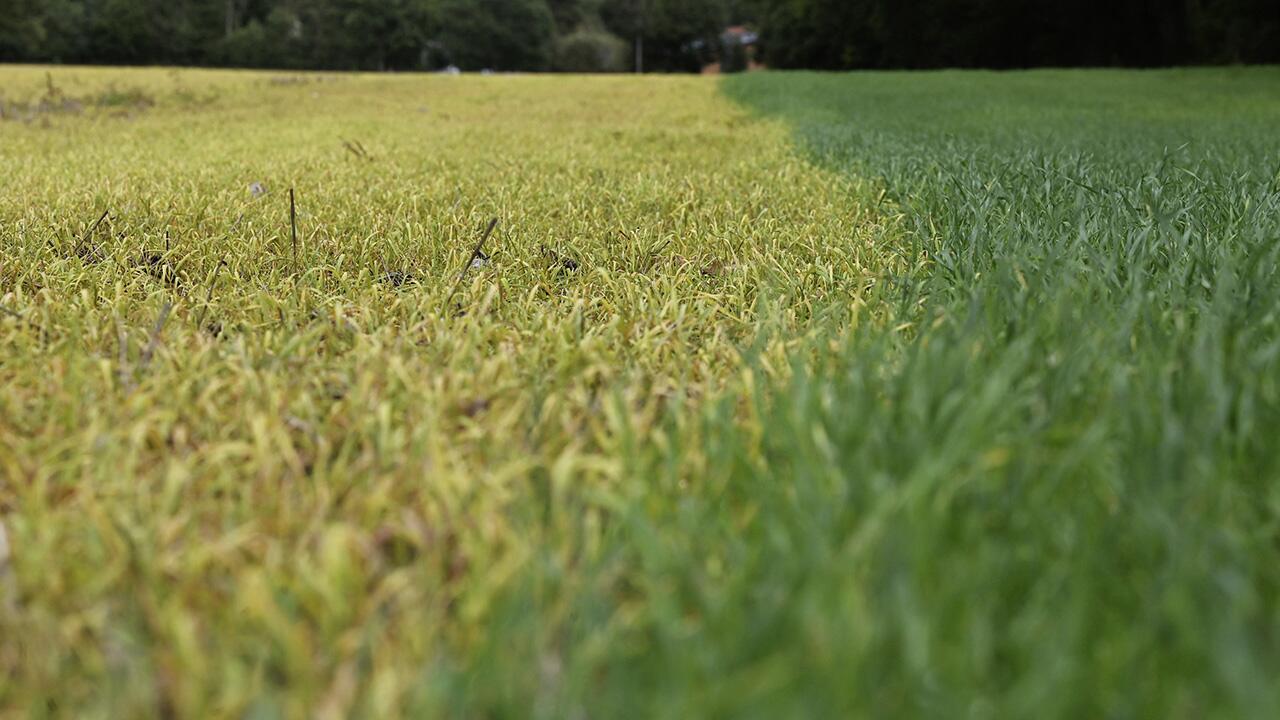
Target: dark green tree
[
  {"x": 495, "y": 34},
  {"x": 669, "y": 35},
  {"x": 844, "y": 34},
  {"x": 570, "y": 15},
  {"x": 589, "y": 51}
]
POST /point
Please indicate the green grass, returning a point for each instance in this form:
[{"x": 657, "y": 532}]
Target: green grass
[
  {"x": 963, "y": 406},
  {"x": 1049, "y": 489}
]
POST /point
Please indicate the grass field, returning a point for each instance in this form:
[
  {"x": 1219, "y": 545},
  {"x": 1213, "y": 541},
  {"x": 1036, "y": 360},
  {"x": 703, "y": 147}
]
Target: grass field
[
  {"x": 937, "y": 395},
  {"x": 1056, "y": 472},
  {"x": 325, "y": 480}
]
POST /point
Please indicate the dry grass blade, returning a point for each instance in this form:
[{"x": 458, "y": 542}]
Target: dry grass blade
[
  {"x": 154, "y": 342},
  {"x": 127, "y": 375},
  {"x": 208, "y": 298},
  {"x": 293, "y": 228},
  {"x": 355, "y": 148},
  {"x": 7, "y": 591},
  {"x": 493, "y": 225},
  {"x": 4, "y": 550},
  {"x": 123, "y": 374},
  {"x": 80, "y": 244}
]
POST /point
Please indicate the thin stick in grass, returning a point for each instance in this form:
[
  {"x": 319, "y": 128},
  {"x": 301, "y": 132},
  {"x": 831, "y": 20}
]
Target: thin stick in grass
[
  {"x": 493, "y": 224},
  {"x": 208, "y": 297},
  {"x": 23, "y": 317},
  {"x": 127, "y": 375},
  {"x": 154, "y": 342},
  {"x": 293, "y": 229},
  {"x": 355, "y": 148},
  {"x": 92, "y": 229},
  {"x": 122, "y": 362}
]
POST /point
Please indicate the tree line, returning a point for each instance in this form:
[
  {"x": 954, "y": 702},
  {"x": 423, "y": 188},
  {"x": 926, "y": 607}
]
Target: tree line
[
  {"x": 624, "y": 35},
  {"x": 846, "y": 34},
  {"x": 501, "y": 35}
]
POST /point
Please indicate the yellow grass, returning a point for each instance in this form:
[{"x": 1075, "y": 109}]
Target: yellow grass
[{"x": 335, "y": 429}]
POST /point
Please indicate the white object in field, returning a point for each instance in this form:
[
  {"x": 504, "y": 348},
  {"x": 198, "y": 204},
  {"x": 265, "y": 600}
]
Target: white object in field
[{"x": 257, "y": 190}]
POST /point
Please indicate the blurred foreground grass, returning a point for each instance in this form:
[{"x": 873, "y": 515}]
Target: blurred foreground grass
[{"x": 975, "y": 416}]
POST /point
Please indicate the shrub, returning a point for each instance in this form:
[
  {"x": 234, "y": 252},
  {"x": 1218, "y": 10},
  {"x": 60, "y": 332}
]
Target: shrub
[{"x": 586, "y": 51}]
